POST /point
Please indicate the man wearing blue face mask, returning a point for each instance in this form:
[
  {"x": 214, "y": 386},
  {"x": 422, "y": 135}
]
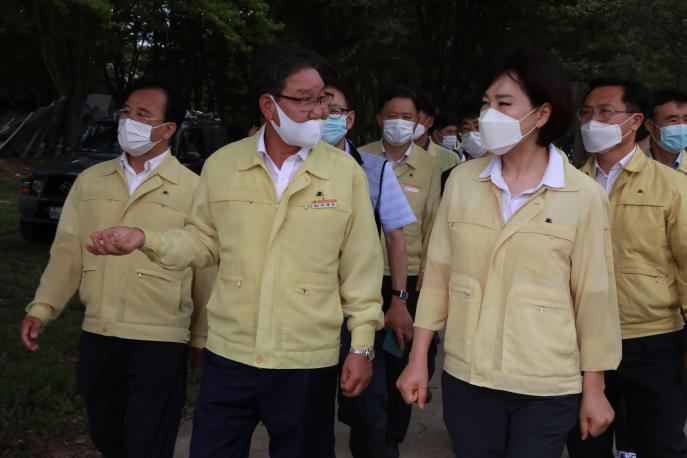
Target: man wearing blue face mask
[
  {"x": 667, "y": 128},
  {"x": 366, "y": 414}
]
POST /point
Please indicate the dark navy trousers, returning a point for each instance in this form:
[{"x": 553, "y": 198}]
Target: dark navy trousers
[
  {"x": 486, "y": 423},
  {"x": 295, "y": 405},
  {"x": 134, "y": 391},
  {"x": 651, "y": 381}
]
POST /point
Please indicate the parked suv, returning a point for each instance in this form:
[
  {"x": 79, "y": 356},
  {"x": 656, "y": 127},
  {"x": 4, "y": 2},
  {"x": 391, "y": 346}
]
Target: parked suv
[{"x": 43, "y": 194}]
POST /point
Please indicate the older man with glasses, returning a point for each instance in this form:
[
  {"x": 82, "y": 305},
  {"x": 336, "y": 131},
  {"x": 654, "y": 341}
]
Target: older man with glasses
[{"x": 289, "y": 221}]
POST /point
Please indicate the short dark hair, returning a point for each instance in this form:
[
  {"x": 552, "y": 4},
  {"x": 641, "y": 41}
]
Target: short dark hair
[
  {"x": 543, "y": 79},
  {"x": 425, "y": 102},
  {"x": 175, "y": 106},
  {"x": 399, "y": 92},
  {"x": 636, "y": 96},
  {"x": 469, "y": 111},
  {"x": 275, "y": 66},
  {"x": 664, "y": 96},
  {"x": 345, "y": 89},
  {"x": 443, "y": 120}
]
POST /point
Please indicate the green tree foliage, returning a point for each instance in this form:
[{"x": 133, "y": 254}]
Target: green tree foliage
[{"x": 72, "y": 47}]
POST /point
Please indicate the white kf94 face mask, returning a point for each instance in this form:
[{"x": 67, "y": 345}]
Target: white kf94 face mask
[
  {"x": 600, "y": 138},
  {"x": 134, "y": 136},
  {"x": 398, "y": 131},
  {"x": 472, "y": 144},
  {"x": 303, "y": 134},
  {"x": 500, "y": 132}
]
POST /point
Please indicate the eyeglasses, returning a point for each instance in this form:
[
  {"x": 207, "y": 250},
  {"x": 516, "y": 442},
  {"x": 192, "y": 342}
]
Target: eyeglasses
[
  {"x": 125, "y": 113},
  {"x": 338, "y": 112},
  {"x": 603, "y": 114},
  {"x": 308, "y": 103}
]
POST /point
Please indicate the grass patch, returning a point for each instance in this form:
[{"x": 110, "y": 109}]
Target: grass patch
[{"x": 40, "y": 409}]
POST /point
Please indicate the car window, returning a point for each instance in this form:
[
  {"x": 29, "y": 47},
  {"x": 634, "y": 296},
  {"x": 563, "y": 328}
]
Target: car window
[
  {"x": 192, "y": 141},
  {"x": 99, "y": 136}
]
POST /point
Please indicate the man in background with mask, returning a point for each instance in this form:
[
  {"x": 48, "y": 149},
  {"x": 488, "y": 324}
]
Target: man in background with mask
[
  {"x": 667, "y": 127},
  {"x": 289, "y": 221},
  {"x": 469, "y": 138},
  {"x": 649, "y": 234},
  {"x": 366, "y": 414},
  {"x": 468, "y": 130},
  {"x": 445, "y": 157},
  {"x": 419, "y": 176},
  {"x": 444, "y": 132},
  {"x": 138, "y": 317}
]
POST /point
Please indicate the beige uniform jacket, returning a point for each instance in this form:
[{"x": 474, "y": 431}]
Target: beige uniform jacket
[
  {"x": 288, "y": 269},
  {"x": 420, "y": 180},
  {"x": 649, "y": 221},
  {"x": 528, "y": 305},
  {"x": 445, "y": 158},
  {"x": 125, "y": 296}
]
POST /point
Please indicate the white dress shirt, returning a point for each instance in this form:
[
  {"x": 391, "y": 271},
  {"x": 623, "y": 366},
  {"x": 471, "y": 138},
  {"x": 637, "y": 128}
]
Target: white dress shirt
[
  {"x": 136, "y": 179},
  {"x": 607, "y": 181},
  {"x": 554, "y": 177},
  {"x": 281, "y": 177},
  {"x": 403, "y": 158}
]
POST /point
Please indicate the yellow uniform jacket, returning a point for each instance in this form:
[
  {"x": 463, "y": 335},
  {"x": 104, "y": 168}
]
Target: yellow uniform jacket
[
  {"x": 527, "y": 305},
  {"x": 125, "y": 296},
  {"x": 288, "y": 269}
]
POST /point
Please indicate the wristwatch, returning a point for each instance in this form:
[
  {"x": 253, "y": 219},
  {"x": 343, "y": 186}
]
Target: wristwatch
[
  {"x": 368, "y": 353},
  {"x": 400, "y": 293}
]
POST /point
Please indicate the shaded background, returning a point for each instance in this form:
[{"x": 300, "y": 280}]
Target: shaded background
[{"x": 60, "y": 48}]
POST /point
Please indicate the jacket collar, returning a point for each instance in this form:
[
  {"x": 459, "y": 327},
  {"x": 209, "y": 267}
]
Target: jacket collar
[{"x": 167, "y": 169}]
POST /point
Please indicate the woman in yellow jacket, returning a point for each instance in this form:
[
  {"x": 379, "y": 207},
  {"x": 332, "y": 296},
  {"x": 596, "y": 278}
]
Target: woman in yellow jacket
[{"x": 520, "y": 272}]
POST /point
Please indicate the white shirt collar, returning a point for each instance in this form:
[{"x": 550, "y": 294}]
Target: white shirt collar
[
  {"x": 621, "y": 164},
  {"x": 554, "y": 175},
  {"x": 402, "y": 159},
  {"x": 149, "y": 165},
  {"x": 262, "y": 151}
]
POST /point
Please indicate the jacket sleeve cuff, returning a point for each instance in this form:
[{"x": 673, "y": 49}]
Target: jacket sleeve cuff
[
  {"x": 363, "y": 336},
  {"x": 197, "y": 341},
  {"x": 41, "y": 311},
  {"x": 151, "y": 246}
]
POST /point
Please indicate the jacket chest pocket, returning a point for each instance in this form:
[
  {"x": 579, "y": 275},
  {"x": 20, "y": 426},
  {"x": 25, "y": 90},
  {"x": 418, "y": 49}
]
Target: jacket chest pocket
[
  {"x": 465, "y": 297},
  {"x": 154, "y": 297},
  {"x": 159, "y": 215},
  {"x": 239, "y": 212},
  {"x": 416, "y": 194},
  {"x": 472, "y": 237},
  {"x": 100, "y": 211},
  {"x": 313, "y": 229},
  {"x": 312, "y": 315},
  {"x": 552, "y": 244},
  {"x": 539, "y": 334},
  {"x": 636, "y": 219}
]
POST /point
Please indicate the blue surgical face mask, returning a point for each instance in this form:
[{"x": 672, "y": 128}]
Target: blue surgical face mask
[
  {"x": 334, "y": 129},
  {"x": 673, "y": 138}
]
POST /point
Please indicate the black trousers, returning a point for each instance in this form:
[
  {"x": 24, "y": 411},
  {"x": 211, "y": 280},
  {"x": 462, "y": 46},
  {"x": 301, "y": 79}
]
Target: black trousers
[
  {"x": 295, "y": 405},
  {"x": 135, "y": 392},
  {"x": 486, "y": 423},
  {"x": 398, "y": 412},
  {"x": 651, "y": 381},
  {"x": 365, "y": 414}
]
